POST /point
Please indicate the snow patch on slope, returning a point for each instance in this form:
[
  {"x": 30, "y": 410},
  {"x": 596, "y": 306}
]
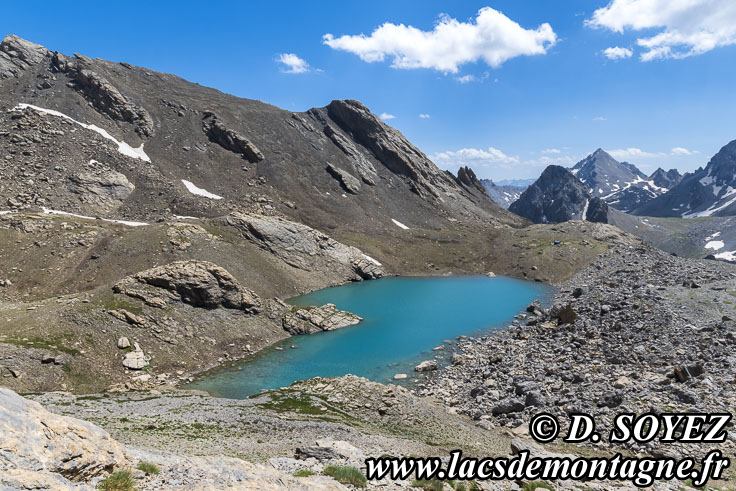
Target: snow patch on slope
[
  {"x": 48, "y": 211},
  {"x": 199, "y": 191},
  {"x": 399, "y": 224},
  {"x": 715, "y": 245},
  {"x": 124, "y": 148}
]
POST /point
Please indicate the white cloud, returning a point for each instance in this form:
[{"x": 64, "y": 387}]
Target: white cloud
[
  {"x": 637, "y": 153},
  {"x": 425, "y": 116},
  {"x": 491, "y": 37},
  {"x": 682, "y": 151},
  {"x": 553, "y": 151},
  {"x": 387, "y": 116},
  {"x": 600, "y": 118},
  {"x": 466, "y": 79},
  {"x": 292, "y": 63},
  {"x": 475, "y": 157},
  {"x": 686, "y": 27},
  {"x": 617, "y": 53}
]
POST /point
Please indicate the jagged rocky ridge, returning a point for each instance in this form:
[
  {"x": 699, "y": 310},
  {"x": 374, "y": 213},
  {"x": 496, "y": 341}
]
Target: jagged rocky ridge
[
  {"x": 709, "y": 191},
  {"x": 557, "y": 196},
  {"x": 621, "y": 184}
]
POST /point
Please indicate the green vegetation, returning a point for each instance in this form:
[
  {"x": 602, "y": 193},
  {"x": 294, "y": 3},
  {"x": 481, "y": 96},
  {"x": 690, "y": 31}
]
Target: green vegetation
[
  {"x": 345, "y": 474},
  {"x": 112, "y": 303},
  {"x": 531, "y": 486},
  {"x": 148, "y": 467},
  {"x": 438, "y": 485},
  {"x": 428, "y": 484},
  {"x": 54, "y": 344},
  {"x": 118, "y": 481},
  {"x": 303, "y": 473}
]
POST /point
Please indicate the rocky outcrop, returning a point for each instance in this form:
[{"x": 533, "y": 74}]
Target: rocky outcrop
[
  {"x": 309, "y": 320},
  {"x": 558, "y": 196},
  {"x": 136, "y": 359},
  {"x": 103, "y": 94},
  {"x": 665, "y": 179},
  {"x": 198, "y": 283},
  {"x": 37, "y": 446},
  {"x": 389, "y": 146},
  {"x": 17, "y": 54},
  {"x": 365, "y": 169},
  {"x": 349, "y": 182},
  {"x": 229, "y": 139},
  {"x": 303, "y": 247},
  {"x": 101, "y": 187}
]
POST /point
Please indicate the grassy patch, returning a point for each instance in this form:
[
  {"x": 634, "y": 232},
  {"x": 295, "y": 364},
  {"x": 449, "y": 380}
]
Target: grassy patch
[
  {"x": 303, "y": 473},
  {"x": 531, "y": 486},
  {"x": 118, "y": 481},
  {"x": 428, "y": 484},
  {"x": 344, "y": 474},
  {"x": 148, "y": 467},
  {"x": 286, "y": 402},
  {"x": 115, "y": 304},
  {"x": 439, "y": 485},
  {"x": 54, "y": 344}
]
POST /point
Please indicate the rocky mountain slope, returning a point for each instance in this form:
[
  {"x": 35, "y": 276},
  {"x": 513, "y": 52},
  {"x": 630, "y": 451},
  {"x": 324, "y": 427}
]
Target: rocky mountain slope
[
  {"x": 709, "y": 191},
  {"x": 130, "y": 143},
  {"x": 557, "y": 196},
  {"x": 502, "y": 195},
  {"x": 621, "y": 184},
  {"x": 703, "y": 237}
]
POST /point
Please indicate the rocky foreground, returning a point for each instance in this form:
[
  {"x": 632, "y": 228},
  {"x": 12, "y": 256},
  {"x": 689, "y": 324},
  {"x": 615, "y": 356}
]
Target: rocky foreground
[{"x": 637, "y": 331}]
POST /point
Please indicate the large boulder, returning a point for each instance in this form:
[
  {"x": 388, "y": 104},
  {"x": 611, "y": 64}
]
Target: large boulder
[
  {"x": 198, "y": 283},
  {"x": 303, "y": 247},
  {"x": 39, "y": 446},
  {"x": 100, "y": 187},
  {"x": 309, "y": 320}
]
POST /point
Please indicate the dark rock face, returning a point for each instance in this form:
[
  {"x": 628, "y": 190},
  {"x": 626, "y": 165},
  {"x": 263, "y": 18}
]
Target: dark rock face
[
  {"x": 597, "y": 211},
  {"x": 105, "y": 97},
  {"x": 348, "y": 181},
  {"x": 557, "y": 196},
  {"x": 665, "y": 179},
  {"x": 621, "y": 184},
  {"x": 229, "y": 139},
  {"x": 709, "y": 191}
]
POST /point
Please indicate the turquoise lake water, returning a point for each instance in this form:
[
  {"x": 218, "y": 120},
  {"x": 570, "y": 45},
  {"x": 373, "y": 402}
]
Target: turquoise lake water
[{"x": 404, "y": 318}]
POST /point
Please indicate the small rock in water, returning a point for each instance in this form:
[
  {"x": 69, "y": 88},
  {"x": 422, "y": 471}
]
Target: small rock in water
[
  {"x": 426, "y": 366},
  {"x": 400, "y": 376}
]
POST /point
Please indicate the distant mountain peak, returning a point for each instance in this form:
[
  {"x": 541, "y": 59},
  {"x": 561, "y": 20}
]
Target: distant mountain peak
[
  {"x": 621, "y": 184},
  {"x": 558, "y": 196}
]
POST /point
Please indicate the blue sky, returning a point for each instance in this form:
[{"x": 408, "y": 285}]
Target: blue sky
[{"x": 510, "y": 97}]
